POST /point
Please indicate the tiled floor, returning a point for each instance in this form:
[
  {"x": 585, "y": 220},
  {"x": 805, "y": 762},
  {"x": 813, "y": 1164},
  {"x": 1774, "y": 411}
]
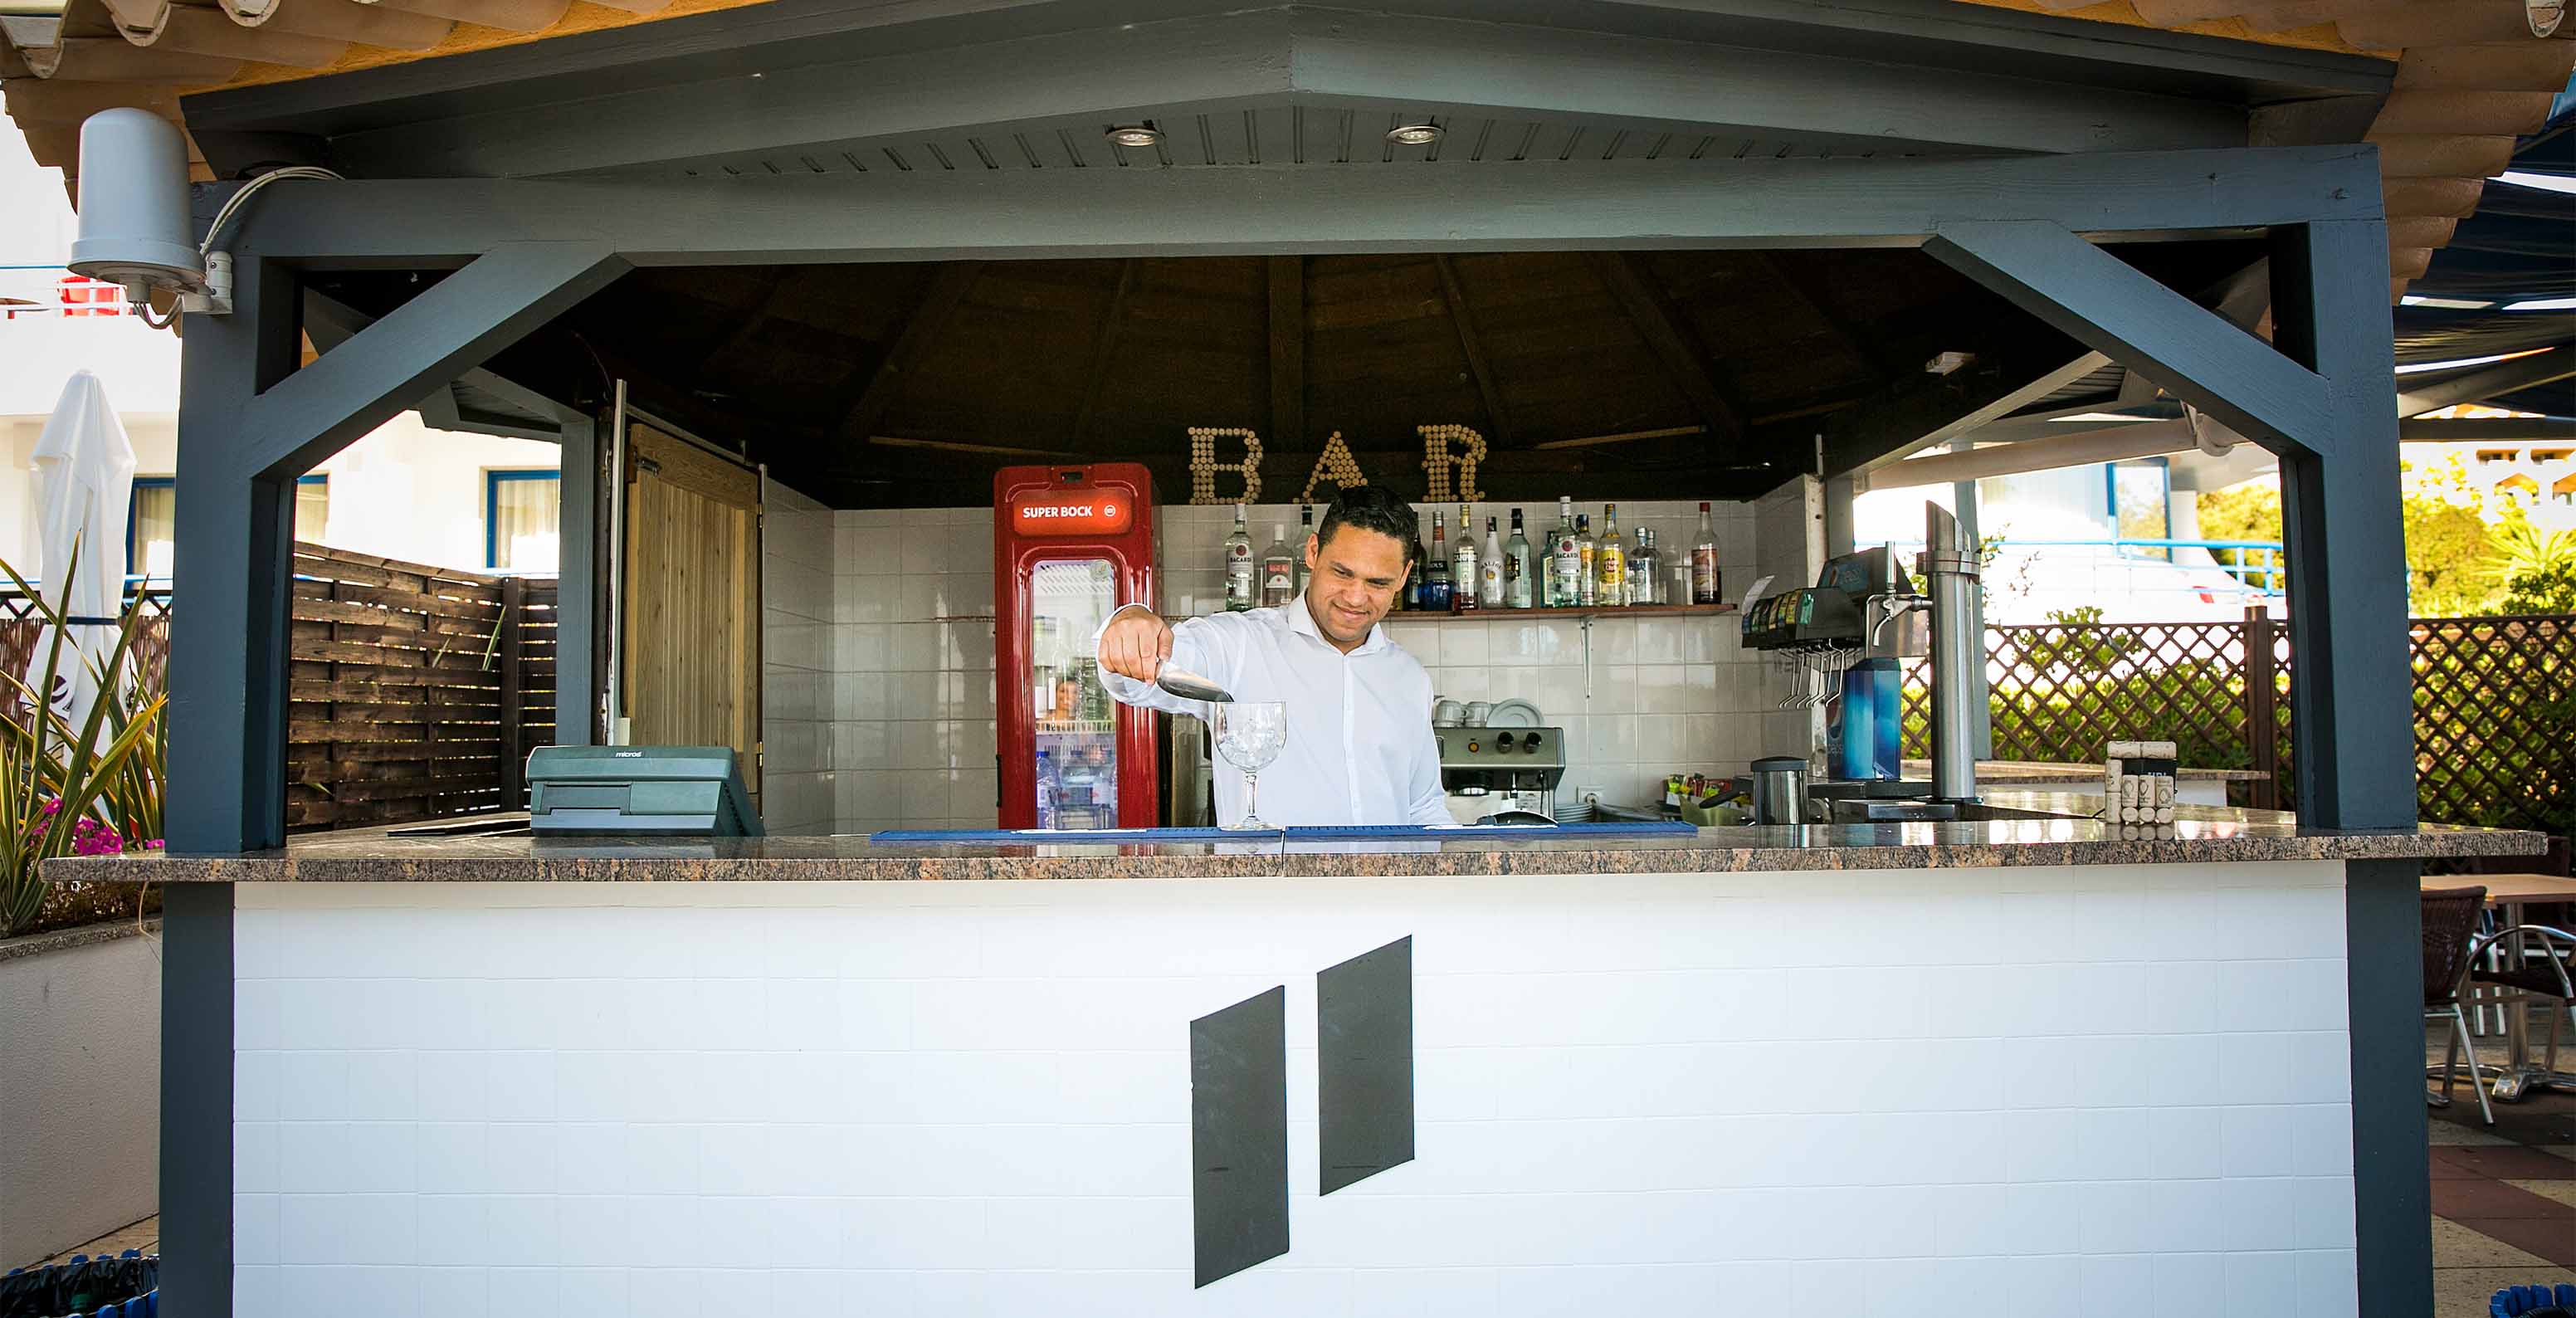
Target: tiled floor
[{"x": 2504, "y": 1196}]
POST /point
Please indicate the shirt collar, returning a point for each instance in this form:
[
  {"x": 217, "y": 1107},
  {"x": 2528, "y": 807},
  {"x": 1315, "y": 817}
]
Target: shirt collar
[{"x": 1301, "y": 620}]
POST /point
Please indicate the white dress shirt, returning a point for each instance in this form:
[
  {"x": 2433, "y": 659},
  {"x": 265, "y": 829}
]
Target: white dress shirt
[{"x": 1360, "y": 747}]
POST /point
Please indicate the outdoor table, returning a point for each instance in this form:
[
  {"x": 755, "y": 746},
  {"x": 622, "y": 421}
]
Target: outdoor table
[{"x": 2508, "y": 893}]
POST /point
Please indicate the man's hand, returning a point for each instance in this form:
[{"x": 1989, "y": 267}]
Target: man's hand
[{"x": 1135, "y": 644}]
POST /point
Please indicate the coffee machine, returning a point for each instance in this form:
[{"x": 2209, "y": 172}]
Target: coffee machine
[{"x": 1490, "y": 772}]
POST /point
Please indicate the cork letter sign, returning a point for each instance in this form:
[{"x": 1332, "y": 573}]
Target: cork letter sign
[
  {"x": 1204, "y": 466},
  {"x": 1438, "y": 457},
  {"x": 1337, "y": 463}
]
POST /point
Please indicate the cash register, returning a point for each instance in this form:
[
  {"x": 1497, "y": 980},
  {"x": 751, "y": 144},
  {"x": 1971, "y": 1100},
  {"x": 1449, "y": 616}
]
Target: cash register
[{"x": 686, "y": 791}]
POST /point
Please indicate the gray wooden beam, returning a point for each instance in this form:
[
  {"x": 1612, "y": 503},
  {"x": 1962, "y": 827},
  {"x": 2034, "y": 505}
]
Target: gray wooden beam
[
  {"x": 1279, "y": 209},
  {"x": 578, "y": 587},
  {"x": 2356, "y": 744},
  {"x": 2478, "y": 386},
  {"x": 196, "y": 1159},
  {"x": 1473, "y": 349},
  {"x": 1287, "y": 307},
  {"x": 872, "y": 393},
  {"x": 1685, "y": 360},
  {"x": 2116, "y": 309},
  {"x": 455, "y": 324},
  {"x": 2006, "y": 377}
]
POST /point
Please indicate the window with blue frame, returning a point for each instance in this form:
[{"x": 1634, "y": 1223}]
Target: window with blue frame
[
  {"x": 2140, "y": 495},
  {"x": 522, "y": 520},
  {"x": 151, "y": 519}
]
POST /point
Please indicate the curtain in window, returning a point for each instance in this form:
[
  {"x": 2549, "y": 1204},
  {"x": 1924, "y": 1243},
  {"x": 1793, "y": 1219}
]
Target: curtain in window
[
  {"x": 149, "y": 537},
  {"x": 524, "y": 522},
  {"x": 312, "y": 510}
]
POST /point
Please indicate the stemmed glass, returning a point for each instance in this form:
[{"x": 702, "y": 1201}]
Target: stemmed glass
[{"x": 1250, "y": 734}]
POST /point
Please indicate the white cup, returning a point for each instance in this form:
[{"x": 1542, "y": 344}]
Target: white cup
[{"x": 1446, "y": 713}]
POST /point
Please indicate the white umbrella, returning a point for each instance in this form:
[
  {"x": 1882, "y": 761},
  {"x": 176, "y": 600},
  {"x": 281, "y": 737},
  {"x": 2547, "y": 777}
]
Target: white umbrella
[{"x": 85, "y": 475}]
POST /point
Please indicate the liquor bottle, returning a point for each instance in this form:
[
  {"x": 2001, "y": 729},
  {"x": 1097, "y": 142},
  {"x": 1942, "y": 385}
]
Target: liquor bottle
[
  {"x": 1305, "y": 533},
  {"x": 1587, "y": 587},
  {"x": 1435, "y": 569},
  {"x": 1242, "y": 586},
  {"x": 1489, "y": 568},
  {"x": 1517, "y": 574},
  {"x": 1462, "y": 566},
  {"x": 1641, "y": 569},
  {"x": 1610, "y": 561},
  {"x": 1704, "y": 584},
  {"x": 1278, "y": 569},
  {"x": 1564, "y": 562},
  {"x": 1421, "y": 568}
]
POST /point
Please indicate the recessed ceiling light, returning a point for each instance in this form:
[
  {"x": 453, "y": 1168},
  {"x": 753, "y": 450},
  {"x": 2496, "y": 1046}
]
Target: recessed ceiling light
[
  {"x": 2445, "y": 303},
  {"x": 1139, "y": 135},
  {"x": 1415, "y": 134}
]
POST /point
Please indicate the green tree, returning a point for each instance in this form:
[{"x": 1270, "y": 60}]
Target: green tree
[{"x": 2452, "y": 564}]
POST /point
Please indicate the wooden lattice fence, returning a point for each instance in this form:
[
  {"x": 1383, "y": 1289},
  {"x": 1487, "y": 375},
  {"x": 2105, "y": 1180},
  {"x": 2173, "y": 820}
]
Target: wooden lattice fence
[
  {"x": 414, "y": 691},
  {"x": 2495, "y": 705}
]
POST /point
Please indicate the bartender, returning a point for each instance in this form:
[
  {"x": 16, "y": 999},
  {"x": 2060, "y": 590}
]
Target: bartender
[{"x": 1360, "y": 747}]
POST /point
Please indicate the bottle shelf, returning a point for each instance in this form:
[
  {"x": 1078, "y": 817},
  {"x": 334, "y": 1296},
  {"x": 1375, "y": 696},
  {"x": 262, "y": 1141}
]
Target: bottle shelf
[{"x": 1576, "y": 614}]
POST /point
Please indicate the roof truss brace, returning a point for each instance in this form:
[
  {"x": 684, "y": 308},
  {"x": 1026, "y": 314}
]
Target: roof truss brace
[{"x": 1685, "y": 360}]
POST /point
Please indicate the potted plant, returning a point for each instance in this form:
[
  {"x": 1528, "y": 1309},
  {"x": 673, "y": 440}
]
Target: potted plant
[{"x": 80, "y": 981}]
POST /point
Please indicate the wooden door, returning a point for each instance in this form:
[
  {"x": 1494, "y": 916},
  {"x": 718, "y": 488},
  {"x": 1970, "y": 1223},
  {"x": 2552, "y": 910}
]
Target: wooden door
[{"x": 689, "y": 670}]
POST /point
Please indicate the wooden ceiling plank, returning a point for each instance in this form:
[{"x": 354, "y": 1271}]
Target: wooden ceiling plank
[
  {"x": 760, "y": 314},
  {"x": 1499, "y": 423},
  {"x": 1287, "y": 305},
  {"x": 861, "y": 408},
  {"x": 1803, "y": 285},
  {"x": 1105, "y": 345},
  {"x": 1654, "y": 321}
]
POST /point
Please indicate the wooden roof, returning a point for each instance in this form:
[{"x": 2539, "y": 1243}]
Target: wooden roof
[{"x": 1609, "y": 375}]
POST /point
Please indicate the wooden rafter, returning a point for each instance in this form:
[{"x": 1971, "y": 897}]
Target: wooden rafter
[
  {"x": 1679, "y": 350},
  {"x": 1104, "y": 346},
  {"x": 760, "y": 314},
  {"x": 1498, "y": 425},
  {"x": 861, "y": 407},
  {"x": 1809, "y": 291},
  {"x": 1288, "y": 351}
]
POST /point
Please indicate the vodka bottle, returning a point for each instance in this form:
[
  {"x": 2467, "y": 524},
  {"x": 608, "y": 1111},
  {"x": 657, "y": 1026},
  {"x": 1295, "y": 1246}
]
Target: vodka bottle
[
  {"x": 1641, "y": 569},
  {"x": 1297, "y": 548},
  {"x": 1421, "y": 568},
  {"x": 1587, "y": 587},
  {"x": 1462, "y": 566},
  {"x": 1278, "y": 569},
  {"x": 1704, "y": 584},
  {"x": 1489, "y": 568},
  {"x": 1610, "y": 561},
  {"x": 1435, "y": 569},
  {"x": 1564, "y": 565},
  {"x": 1242, "y": 589},
  {"x": 1519, "y": 577}
]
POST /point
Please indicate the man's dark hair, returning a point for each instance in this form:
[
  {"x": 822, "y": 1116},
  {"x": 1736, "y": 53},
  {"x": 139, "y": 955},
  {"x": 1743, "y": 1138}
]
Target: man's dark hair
[{"x": 1371, "y": 508}]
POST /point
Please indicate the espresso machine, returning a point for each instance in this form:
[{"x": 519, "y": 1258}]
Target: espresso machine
[{"x": 1495, "y": 773}]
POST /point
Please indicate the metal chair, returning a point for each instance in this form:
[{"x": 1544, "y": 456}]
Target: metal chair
[
  {"x": 2450, "y": 927},
  {"x": 2528, "y": 961}
]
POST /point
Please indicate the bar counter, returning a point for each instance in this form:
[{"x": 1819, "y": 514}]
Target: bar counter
[
  {"x": 1963, "y": 1069},
  {"x": 2056, "y": 829}
]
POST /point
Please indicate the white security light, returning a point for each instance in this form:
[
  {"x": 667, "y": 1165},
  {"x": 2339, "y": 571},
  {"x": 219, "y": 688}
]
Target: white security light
[{"x": 134, "y": 215}]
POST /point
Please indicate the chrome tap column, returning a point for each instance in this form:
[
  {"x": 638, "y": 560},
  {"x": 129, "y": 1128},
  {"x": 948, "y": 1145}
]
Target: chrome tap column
[{"x": 1949, "y": 569}]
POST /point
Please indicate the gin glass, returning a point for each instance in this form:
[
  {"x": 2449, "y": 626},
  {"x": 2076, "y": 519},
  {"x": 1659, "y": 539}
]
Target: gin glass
[{"x": 1250, "y": 734}]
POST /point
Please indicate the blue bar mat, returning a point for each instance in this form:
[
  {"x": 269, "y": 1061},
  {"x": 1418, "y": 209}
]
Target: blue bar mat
[{"x": 1341, "y": 832}]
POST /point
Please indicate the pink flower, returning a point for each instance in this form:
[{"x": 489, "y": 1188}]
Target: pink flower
[
  {"x": 53, "y": 805},
  {"x": 102, "y": 842},
  {"x": 152, "y": 844}
]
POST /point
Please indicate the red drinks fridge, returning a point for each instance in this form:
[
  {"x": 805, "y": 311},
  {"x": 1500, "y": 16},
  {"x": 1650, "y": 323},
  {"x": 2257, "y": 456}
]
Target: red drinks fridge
[{"x": 1071, "y": 545}]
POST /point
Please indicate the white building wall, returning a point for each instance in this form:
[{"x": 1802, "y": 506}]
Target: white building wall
[{"x": 648, "y": 1099}]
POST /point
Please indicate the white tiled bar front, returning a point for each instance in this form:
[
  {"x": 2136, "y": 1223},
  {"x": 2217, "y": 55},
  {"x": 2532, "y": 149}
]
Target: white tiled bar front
[{"x": 2102, "y": 1089}]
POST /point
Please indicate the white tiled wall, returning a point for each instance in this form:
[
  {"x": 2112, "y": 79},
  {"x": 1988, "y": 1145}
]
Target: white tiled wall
[
  {"x": 795, "y": 663},
  {"x": 638, "y": 1100},
  {"x": 912, "y": 666},
  {"x": 907, "y": 678}
]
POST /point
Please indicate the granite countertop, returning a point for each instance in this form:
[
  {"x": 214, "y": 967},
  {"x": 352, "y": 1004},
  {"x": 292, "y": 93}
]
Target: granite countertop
[
  {"x": 2001, "y": 772},
  {"x": 2056, "y": 830}
]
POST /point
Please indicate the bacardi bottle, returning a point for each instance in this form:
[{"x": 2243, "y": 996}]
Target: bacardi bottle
[
  {"x": 1610, "y": 562},
  {"x": 1704, "y": 583},
  {"x": 1462, "y": 566},
  {"x": 1518, "y": 576},
  {"x": 1489, "y": 569},
  {"x": 1587, "y": 585},
  {"x": 1278, "y": 570},
  {"x": 1564, "y": 562},
  {"x": 1242, "y": 578}
]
